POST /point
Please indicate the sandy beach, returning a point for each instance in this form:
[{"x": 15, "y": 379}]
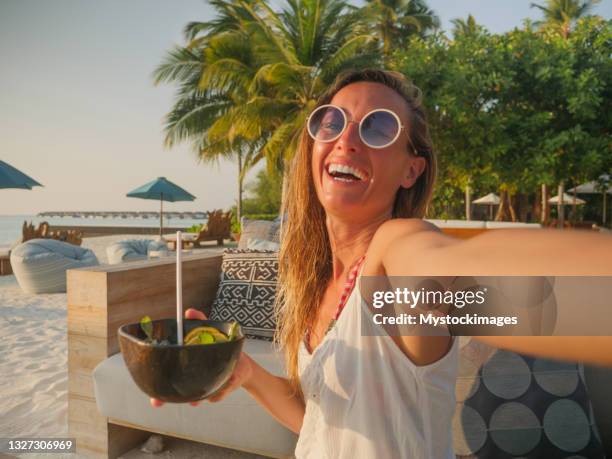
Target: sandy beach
[{"x": 33, "y": 346}]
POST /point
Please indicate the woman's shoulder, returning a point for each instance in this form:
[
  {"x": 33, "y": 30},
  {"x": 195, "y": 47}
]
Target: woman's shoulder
[
  {"x": 419, "y": 231},
  {"x": 399, "y": 227},
  {"x": 398, "y": 230}
]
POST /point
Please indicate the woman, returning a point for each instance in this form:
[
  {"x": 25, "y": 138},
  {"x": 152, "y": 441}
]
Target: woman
[{"x": 361, "y": 181}]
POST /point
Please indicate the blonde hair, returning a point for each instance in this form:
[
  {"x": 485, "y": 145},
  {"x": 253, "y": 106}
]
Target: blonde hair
[{"x": 305, "y": 266}]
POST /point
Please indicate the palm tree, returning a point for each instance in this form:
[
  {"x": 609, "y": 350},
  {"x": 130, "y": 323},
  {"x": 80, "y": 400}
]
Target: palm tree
[
  {"x": 465, "y": 26},
  {"x": 300, "y": 49},
  {"x": 248, "y": 80},
  {"x": 219, "y": 42},
  {"x": 562, "y": 14},
  {"x": 394, "y": 21}
]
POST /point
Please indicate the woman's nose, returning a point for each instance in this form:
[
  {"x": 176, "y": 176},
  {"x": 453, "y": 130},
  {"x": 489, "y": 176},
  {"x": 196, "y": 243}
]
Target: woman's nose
[{"x": 349, "y": 139}]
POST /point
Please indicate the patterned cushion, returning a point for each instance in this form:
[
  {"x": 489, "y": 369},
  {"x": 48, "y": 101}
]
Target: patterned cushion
[
  {"x": 258, "y": 229},
  {"x": 511, "y": 405},
  {"x": 246, "y": 292}
]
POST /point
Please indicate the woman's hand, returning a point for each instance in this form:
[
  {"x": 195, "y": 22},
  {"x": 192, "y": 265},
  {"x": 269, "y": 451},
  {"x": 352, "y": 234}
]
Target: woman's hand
[{"x": 241, "y": 375}]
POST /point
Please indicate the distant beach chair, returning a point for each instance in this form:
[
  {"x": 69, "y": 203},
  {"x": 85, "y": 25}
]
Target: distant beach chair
[
  {"x": 5, "y": 264},
  {"x": 29, "y": 232},
  {"x": 217, "y": 228},
  {"x": 40, "y": 265}
]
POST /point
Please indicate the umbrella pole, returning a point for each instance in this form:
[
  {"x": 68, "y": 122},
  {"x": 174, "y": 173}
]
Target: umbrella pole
[
  {"x": 560, "y": 208},
  {"x": 161, "y": 215}
]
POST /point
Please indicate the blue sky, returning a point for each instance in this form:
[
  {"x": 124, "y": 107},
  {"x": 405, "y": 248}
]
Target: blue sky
[{"x": 80, "y": 113}]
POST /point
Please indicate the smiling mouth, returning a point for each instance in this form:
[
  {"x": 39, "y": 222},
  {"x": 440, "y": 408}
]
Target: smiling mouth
[{"x": 344, "y": 173}]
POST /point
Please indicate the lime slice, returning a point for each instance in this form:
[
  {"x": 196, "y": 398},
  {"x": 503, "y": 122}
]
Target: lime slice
[
  {"x": 219, "y": 336},
  {"x": 206, "y": 338}
]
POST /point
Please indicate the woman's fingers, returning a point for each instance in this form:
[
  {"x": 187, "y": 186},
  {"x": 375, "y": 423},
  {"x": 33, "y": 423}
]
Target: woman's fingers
[
  {"x": 194, "y": 314},
  {"x": 155, "y": 403}
]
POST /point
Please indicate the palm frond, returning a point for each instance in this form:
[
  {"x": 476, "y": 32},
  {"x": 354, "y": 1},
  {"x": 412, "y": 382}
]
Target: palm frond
[
  {"x": 180, "y": 64},
  {"x": 191, "y": 117}
]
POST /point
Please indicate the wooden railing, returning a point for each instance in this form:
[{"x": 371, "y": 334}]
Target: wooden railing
[{"x": 95, "y": 231}]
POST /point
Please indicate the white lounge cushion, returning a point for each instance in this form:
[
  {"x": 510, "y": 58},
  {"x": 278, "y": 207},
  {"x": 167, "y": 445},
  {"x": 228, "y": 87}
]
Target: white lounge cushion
[
  {"x": 132, "y": 250},
  {"x": 258, "y": 229},
  {"x": 461, "y": 224},
  {"x": 512, "y": 225},
  {"x": 40, "y": 265},
  {"x": 237, "y": 422},
  {"x": 262, "y": 244}
]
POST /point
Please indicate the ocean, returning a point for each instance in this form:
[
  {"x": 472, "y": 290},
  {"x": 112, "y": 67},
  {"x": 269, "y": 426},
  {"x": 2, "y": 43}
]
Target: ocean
[{"x": 10, "y": 225}]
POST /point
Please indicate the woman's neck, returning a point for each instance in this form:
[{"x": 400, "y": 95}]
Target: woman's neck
[{"x": 349, "y": 241}]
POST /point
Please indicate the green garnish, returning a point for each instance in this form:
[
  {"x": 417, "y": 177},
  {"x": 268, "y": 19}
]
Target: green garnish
[
  {"x": 233, "y": 331},
  {"x": 206, "y": 338},
  {"x": 147, "y": 327}
]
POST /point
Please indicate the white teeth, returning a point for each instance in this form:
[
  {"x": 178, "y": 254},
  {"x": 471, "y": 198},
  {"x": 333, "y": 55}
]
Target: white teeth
[{"x": 344, "y": 169}]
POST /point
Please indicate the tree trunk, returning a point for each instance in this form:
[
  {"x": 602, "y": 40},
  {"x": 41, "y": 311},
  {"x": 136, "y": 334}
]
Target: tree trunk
[
  {"x": 468, "y": 202},
  {"x": 501, "y": 209},
  {"x": 560, "y": 207},
  {"x": 573, "y": 214},
  {"x": 603, "y": 218},
  {"x": 522, "y": 204},
  {"x": 545, "y": 208},
  {"x": 284, "y": 188},
  {"x": 536, "y": 208},
  {"x": 511, "y": 207},
  {"x": 240, "y": 180}
]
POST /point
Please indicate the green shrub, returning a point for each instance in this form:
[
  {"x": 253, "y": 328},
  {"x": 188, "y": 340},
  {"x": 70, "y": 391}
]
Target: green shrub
[
  {"x": 195, "y": 228},
  {"x": 261, "y": 216}
]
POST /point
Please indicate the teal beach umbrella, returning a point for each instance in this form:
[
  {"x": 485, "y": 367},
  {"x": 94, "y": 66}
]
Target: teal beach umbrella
[
  {"x": 12, "y": 178},
  {"x": 161, "y": 189}
]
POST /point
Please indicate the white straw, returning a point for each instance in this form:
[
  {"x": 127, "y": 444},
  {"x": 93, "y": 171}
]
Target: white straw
[{"x": 179, "y": 288}]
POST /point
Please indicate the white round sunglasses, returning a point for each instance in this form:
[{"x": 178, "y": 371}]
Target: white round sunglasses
[{"x": 378, "y": 129}]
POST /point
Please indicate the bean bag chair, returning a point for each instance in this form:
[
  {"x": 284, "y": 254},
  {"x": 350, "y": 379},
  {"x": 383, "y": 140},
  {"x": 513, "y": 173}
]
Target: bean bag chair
[
  {"x": 132, "y": 250},
  {"x": 40, "y": 265}
]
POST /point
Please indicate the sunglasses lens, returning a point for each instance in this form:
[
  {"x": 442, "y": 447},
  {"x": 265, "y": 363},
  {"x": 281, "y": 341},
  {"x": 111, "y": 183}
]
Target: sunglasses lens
[
  {"x": 326, "y": 123},
  {"x": 379, "y": 129}
]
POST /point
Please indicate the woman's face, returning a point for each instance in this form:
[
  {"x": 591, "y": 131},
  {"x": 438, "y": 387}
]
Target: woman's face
[{"x": 379, "y": 172}]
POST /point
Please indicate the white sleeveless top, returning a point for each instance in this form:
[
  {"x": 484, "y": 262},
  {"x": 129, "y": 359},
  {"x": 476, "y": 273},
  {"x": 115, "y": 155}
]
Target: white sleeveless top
[{"x": 366, "y": 399}]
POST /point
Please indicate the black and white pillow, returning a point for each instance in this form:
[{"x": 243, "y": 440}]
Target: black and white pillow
[{"x": 247, "y": 290}]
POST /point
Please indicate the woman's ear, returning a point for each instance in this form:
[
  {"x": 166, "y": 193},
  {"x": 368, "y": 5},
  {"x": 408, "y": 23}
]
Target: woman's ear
[{"x": 413, "y": 171}]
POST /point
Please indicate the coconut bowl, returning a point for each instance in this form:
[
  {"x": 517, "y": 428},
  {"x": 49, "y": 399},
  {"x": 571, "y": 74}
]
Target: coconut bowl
[{"x": 178, "y": 374}]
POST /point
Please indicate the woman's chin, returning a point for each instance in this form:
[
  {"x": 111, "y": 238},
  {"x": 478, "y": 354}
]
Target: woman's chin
[{"x": 343, "y": 203}]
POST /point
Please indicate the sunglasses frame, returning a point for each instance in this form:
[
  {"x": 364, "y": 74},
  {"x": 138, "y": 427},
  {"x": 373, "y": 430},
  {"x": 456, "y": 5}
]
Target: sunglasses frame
[{"x": 346, "y": 123}]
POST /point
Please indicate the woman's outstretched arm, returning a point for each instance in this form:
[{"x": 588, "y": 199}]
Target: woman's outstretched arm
[{"x": 416, "y": 248}]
